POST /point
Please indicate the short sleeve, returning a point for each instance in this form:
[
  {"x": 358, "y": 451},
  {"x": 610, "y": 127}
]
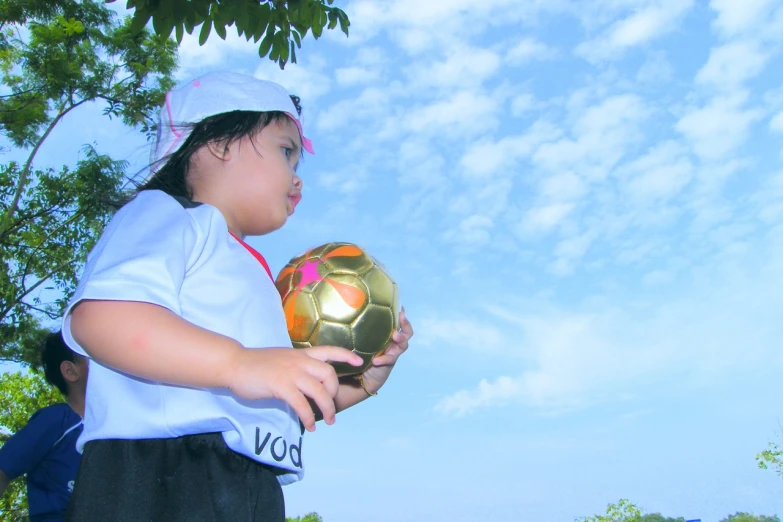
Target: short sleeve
[
  {"x": 26, "y": 448},
  {"x": 143, "y": 255}
]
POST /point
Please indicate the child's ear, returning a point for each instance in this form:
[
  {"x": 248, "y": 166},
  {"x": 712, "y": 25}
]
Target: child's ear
[
  {"x": 220, "y": 149},
  {"x": 70, "y": 371}
]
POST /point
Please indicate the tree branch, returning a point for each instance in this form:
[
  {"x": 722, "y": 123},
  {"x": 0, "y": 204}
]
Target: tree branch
[
  {"x": 47, "y": 313},
  {"x": 23, "y": 176},
  {"x": 34, "y": 89},
  {"x": 27, "y": 292}
]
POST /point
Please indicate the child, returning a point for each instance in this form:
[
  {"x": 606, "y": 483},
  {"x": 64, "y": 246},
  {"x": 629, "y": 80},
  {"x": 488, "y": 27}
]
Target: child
[
  {"x": 197, "y": 404},
  {"x": 45, "y": 449}
]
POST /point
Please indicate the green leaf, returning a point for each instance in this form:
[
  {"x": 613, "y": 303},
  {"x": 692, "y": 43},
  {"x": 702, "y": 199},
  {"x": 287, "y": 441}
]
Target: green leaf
[
  {"x": 190, "y": 21},
  {"x": 318, "y": 25},
  {"x": 139, "y": 20},
  {"x": 266, "y": 43},
  {"x": 344, "y": 22},
  {"x": 282, "y": 44},
  {"x": 163, "y": 26},
  {"x": 204, "y": 34},
  {"x": 220, "y": 29},
  {"x": 180, "y": 32},
  {"x": 261, "y": 15}
]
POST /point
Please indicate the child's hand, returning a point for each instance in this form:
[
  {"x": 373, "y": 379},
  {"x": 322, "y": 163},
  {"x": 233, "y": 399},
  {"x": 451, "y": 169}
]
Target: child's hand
[
  {"x": 292, "y": 376},
  {"x": 382, "y": 366}
]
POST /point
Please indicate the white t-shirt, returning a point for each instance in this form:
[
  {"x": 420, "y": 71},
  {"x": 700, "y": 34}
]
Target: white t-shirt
[{"x": 180, "y": 255}]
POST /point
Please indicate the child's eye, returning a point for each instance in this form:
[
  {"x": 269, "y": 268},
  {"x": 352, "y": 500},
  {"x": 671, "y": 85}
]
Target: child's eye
[{"x": 287, "y": 151}]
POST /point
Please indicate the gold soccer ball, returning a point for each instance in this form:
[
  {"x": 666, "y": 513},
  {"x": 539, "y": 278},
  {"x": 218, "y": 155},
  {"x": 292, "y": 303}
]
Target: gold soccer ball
[{"x": 338, "y": 295}]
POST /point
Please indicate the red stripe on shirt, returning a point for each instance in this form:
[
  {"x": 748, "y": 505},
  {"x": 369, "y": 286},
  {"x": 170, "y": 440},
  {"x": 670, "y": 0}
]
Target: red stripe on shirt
[{"x": 255, "y": 253}]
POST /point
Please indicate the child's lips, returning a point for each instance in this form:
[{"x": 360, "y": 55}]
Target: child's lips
[{"x": 295, "y": 199}]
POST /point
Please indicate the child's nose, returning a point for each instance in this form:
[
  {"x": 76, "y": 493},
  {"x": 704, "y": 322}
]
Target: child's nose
[{"x": 298, "y": 184}]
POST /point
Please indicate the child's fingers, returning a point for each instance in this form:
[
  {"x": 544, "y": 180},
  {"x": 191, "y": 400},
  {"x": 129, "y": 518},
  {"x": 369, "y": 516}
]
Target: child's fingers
[
  {"x": 322, "y": 398},
  {"x": 334, "y": 354},
  {"x": 405, "y": 325},
  {"x": 324, "y": 375},
  {"x": 400, "y": 338},
  {"x": 294, "y": 398}
]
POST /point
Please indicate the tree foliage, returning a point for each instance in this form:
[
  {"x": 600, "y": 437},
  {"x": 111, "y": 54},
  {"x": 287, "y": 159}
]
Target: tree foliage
[
  {"x": 56, "y": 57},
  {"x": 279, "y": 25},
  {"x": 310, "y": 517},
  {"x": 657, "y": 517},
  {"x": 749, "y": 517},
  {"x": 771, "y": 458},
  {"x": 623, "y": 511},
  {"x": 21, "y": 395}
]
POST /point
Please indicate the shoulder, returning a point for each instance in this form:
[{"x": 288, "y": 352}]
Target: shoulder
[
  {"x": 153, "y": 202},
  {"x": 56, "y": 414},
  {"x": 155, "y": 206},
  {"x": 152, "y": 215}
]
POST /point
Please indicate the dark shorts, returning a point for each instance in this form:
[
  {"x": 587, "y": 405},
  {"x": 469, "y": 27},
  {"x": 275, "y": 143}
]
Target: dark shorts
[{"x": 193, "y": 478}]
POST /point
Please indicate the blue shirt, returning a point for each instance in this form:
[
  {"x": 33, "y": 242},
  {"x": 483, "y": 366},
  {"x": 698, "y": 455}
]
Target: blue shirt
[{"x": 45, "y": 449}]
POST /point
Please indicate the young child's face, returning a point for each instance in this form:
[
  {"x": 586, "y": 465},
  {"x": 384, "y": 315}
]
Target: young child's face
[{"x": 258, "y": 182}]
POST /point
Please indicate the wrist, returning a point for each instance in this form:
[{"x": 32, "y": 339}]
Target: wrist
[
  {"x": 229, "y": 364},
  {"x": 369, "y": 391}
]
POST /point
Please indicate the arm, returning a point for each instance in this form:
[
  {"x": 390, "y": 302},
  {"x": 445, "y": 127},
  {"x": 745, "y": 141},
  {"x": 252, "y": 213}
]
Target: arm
[
  {"x": 154, "y": 343},
  {"x": 28, "y": 447}
]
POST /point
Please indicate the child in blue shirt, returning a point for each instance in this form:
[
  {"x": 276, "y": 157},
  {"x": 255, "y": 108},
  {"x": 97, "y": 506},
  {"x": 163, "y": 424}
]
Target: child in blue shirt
[{"x": 45, "y": 449}]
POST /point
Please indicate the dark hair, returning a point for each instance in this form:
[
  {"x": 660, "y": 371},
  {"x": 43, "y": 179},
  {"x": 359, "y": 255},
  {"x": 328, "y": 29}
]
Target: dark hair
[
  {"x": 224, "y": 129},
  {"x": 53, "y": 352}
]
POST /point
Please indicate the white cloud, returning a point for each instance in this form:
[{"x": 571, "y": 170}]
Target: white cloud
[
  {"x": 486, "y": 199},
  {"x": 523, "y": 103},
  {"x": 570, "y": 250},
  {"x": 662, "y": 182},
  {"x": 372, "y": 104},
  {"x": 736, "y": 17},
  {"x": 660, "y": 174},
  {"x": 487, "y": 394},
  {"x": 343, "y": 182},
  {"x": 464, "y": 113},
  {"x": 655, "y": 70},
  {"x": 638, "y": 28},
  {"x": 657, "y": 277},
  {"x": 527, "y": 50},
  {"x": 732, "y": 64},
  {"x": 486, "y": 158},
  {"x": 563, "y": 186},
  {"x": 438, "y": 24},
  {"x": 776, "y": 123},
  {"x": 349, "y": 76},
  {"x": 545, "y": 218},
  {"x": 371, "y": 57},
  {"x": 719, "y": 325},
  {"x": 473, "y": 231},
  {"x": 194, "y": 57},
  {"x": 719, "y": 128},
  {"x": 463, "y": 67},
  {"x": 601, "y": 136},
  {"x": 307, "y": 78},
  {"x": 769, "y": 200},
  {"x": 460, "y": 333}
]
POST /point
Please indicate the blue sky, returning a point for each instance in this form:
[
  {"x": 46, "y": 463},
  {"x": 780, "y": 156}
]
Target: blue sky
[{"x": 582, "y": 204}]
